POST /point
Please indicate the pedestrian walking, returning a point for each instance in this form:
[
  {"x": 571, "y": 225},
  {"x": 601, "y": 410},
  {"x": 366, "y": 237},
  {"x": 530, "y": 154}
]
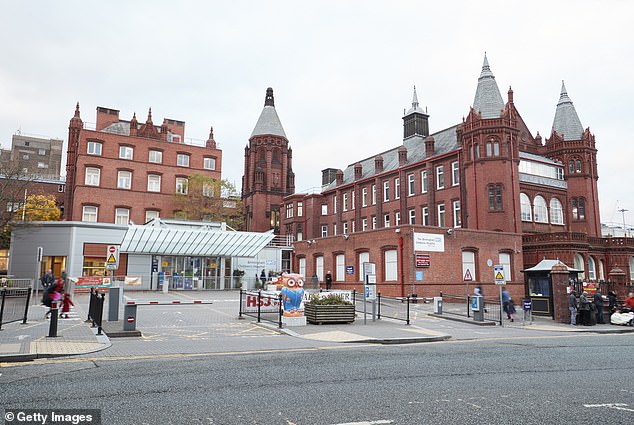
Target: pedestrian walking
[
  {"x": 584, "y": 309},
  {"x": 572, "y": 306},
  {"x": 506, "y": 297},
  {"x": 511, "y": 309},
  {"x": 328, "y": 280},
  {"x": 612, "y": 301},
  {"x": 52, "y": 293},
  {"x": 263, "y": 277},
  {"x": 598, "y": 303},
  {"x": 67, "y": 302}
]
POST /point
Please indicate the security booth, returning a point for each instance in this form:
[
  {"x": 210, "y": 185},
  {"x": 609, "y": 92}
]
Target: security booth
[{"x": 539, "y": 286}]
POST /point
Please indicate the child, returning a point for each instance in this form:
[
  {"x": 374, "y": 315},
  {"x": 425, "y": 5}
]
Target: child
[
  {"x": 66, "y": 303},
  {"x": 511, "y": 310}
]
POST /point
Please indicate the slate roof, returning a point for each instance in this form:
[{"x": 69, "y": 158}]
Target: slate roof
[
  {"x": 567, "y": 123},
  {"x": 444, "y": 141},
  {"x": 488, "y": 100}
]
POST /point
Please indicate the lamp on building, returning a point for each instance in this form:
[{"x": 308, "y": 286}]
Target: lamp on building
[
  {"x": 450, "y": 231},
  {"x": 346, "y": 236}
]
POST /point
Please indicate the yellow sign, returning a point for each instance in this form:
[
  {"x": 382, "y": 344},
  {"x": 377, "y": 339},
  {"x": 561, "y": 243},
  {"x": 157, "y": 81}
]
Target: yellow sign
[
  {"x": 499, "y": 276},
  {"x": 111, "y": 259}
]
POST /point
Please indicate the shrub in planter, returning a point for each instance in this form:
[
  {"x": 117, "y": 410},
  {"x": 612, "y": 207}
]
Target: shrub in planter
[{"x": 330, "y": 309}]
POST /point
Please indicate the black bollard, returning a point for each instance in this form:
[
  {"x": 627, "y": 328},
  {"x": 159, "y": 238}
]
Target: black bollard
[{"x": 52, "y": 328}]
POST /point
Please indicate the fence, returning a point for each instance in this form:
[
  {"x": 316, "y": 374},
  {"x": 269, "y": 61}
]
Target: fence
[
  {"x": 95, "y": 309},
  {"x": 460, "y": 305},
  {"x": 15, "y": 305},
  {"x": 264, "y": 307},
  {"x": 12, "y": 282},
  {"x": 397, "y": 308}
]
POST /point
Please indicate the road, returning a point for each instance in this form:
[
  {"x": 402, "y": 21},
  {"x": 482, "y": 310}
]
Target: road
[{"x": 575, "y": 378}]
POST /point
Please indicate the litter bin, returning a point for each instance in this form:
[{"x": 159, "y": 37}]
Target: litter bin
[{"x": 437, "y": 305}]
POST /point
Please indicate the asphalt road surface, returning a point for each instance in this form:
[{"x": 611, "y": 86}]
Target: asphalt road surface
[{"x": 567, "y": 379}]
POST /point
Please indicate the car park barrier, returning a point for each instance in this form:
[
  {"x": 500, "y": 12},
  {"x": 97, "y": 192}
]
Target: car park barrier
[{"x": 130, "y": 309}]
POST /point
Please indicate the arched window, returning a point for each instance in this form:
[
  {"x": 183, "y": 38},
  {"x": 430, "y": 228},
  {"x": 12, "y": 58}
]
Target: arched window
[
  {"x": 579, "y": 266},
  {"x": 582, "y": 209},
  {"x": 364, "y": 257},
  {"x": 540, "y": 210},
  {"x": 525, "y": 204},
  {"x": 391, "y": 269},
  {"x": 489, "y": 149},
  {"x": 578, "y": 166},
  {"x": 319, "y": 267},
  {"x": 571, "y": 166},
  {"x": 631, "y": 269},
  {"x": 592, "y": 269},
  {"x": 556, "y": 212},
  {"x": 601, "y": 270},
  {"x": 302, "y": 266}
]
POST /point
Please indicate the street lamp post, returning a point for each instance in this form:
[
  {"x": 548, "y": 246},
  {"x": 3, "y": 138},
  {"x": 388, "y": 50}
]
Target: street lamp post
[{"x": 623, "y": 211}]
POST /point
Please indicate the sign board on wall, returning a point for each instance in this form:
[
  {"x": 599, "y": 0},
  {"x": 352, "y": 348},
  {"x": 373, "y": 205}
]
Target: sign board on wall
[
  {"x": 429, "y": 242},
  {"x": 423, "y": 260}
]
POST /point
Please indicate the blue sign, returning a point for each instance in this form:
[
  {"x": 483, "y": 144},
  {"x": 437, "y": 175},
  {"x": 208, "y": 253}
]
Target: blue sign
[
  {"x": 349, "y": 269},
  {"x": 475, "y": 303},
  {"x": 528, "y": 304},
  {"x": 419, "y": 275}
]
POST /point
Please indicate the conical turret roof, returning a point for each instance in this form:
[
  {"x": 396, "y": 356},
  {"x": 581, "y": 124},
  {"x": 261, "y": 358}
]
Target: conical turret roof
[
  {"x": 269, "y": 123},
  {"x": 566, "y": 120},
  {"x": 488, "y": 100},
  {"x": 415, "y": 107}
]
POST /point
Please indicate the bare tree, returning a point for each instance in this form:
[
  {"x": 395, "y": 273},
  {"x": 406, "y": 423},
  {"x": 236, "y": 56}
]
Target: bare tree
[{"x": 14, "y": 184}]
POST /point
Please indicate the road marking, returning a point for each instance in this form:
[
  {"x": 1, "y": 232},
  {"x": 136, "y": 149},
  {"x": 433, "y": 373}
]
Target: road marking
[
  {"x": 377, "y": 422},
  {"x": 617, "y": 406}
]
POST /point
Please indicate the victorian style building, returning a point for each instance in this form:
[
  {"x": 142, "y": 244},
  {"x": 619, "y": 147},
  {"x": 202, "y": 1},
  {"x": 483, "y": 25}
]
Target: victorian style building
[
  {"x": 126, "y": 171},
  {"x": 442, "y": 209}
]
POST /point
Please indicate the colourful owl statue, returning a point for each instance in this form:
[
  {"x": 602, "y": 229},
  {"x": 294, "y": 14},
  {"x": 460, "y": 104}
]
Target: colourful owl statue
[{"x": 292, "y": 294}]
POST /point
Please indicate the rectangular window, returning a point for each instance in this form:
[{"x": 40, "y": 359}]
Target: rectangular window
[
  {"x": 182, "y": 160},
  {"x": 468, "y": 265},
  {"x": 126, "y": 152},
  {"x": 352, "y": 226},
  {"x": 289, "y": 210},
  {"x": 412, "y": 216},
  {"x": 457, "y": 221},
  {"x": 386, "y": 191},
  {"x": 93, "y": 148},
  {"x": 302, "y": 266},
  {"x": 505, "y": 262},
  {"x": 364, "y": 224},
  {"x": 352, "y": 197},
  {"x": 92, "y": 176},
  {"x": 89, "y": 213},
  {"x": 345, "y": 202},
  {"x": 397, "y": 188},
  {"x": 373, "y": 222},
  {"x": 423, "y": 181},
  {"x": 441, "y": 215},
  {"x": 425, "y": 216},
  {"x": 122, "y": 216},
  {"x": 340, "y": 270},
  {"x": 151, "y": 214},
  {"x": 324, "y": 209},
  {"x": 440, "y": 178},
  {"x": 300, "y": 208},
  {"x": 324, "y": 231},
  {"x": 156, "y": 157},
  {"x": 181, "y": 185},
  {"x": 364, "y": 257},
  {"x": 364, "y": 197},
  {"x": 373, "y": 194},
  {"x": 391, "y": 269},
  {"x": 319, "y": 267},
  {"x": 410, "y": 185},
  {"x": 334, "y": 229},
  {"x": 208, "y": 190},
  {"x": 42, "y": 165},
  {"x": 124, "y": 180},
  {"x": 153, "y": 183},
  {"x": 41, "y": 152},
  {"x": 386, "y": 220},
  {"x": 397, "y": 218},
  {"x": 345, "y": 228},
  {"x": 209, "y": 163},
  {"x": 455, "y": 175},
  {"x": 334, "y": 204}
]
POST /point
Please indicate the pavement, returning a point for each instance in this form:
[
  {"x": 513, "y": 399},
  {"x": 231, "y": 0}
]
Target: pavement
[{"x": 23, "y": 342}]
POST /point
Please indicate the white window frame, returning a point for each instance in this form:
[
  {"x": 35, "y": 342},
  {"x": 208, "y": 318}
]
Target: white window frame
[
  {"x": 153, "y": 182},
  {"x": 122, "y": 215},
  {"x": 373, "y": 194},
  {"x": 441, "y": 215},
  {"x": 340, "y": 268},
  {"x": 300, "y": 208},
  {"x": 457, "y": 219},
  {"x": 364, "y": 224},
  {"x": 209, "y": 163},
  {"x": 93, "y": 176},
  {"x": 425, "y": 219},
  {"x": 324, "y": 231},
  {"x": 386, "y": 220},
  {"x": 94, "y": 148},
  {"x": 302, "y": 266},
  {"x": 182, "y": 160},
  {"x": 540, "y": 210},
  {"x": 126, "y": 152},
  {"x": 390, "y": 258},
  {"x": 556, "y": 212},
  {"x": 319, "y": 267},
  {"x": 364, "y": 197},
  {"x": 411, "y": 189},
  {"x": 412, "y": 216},
  {"x": 155, "y": 157},
  {"x": 455, "y": 174},
  {"x": 423, "y": 181},
  {"x": 386, "y": 191},
  {"x": 373, "y": 222},
  {"x": 505, "y": 262},
  {"x": 90, "y": 213},
  {"x": 440, "y": 177},
  {"x": 525, "y": 207},
  {"x": 345, "y": 201},
  {"x": 151, "y": 214},
  {"x": 181, "y": 185},
  {"x": 364, "y": 257},
  {"x": 124, "y": 179},
  {"x": 324, "y": 209},
  {"x": 397, "y": 188},
  {"x": 468, "y": 263}
]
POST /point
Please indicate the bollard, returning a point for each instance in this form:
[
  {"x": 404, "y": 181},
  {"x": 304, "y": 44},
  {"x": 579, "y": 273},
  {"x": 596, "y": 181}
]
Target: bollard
[
  {"x": 52, "y": 328},
  {"x": 437, "y": 305},
  {"x": 129, "y": 315}
]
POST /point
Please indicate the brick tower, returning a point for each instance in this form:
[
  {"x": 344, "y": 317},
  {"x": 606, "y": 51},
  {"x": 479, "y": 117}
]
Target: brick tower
[{"x": 268, "y": 174}]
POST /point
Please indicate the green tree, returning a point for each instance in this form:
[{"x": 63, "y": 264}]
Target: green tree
[{"x": 209, "y": 199}]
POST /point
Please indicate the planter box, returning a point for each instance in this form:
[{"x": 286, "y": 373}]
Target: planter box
[{"x": 320, "y": 314}]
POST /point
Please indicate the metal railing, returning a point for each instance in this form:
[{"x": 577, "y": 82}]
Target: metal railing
[
  {"x": 397, "y": 308},
  {"x": 12, "y": 282},
  {"x": 262, "y": 306},
  {"x": 15, "y": 305},
  {"x": 460, "y": 305},
  {"x": 95, "y": 309}
]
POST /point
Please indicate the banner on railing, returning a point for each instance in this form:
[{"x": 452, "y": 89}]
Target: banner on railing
[{"x": 269, "y": 303}]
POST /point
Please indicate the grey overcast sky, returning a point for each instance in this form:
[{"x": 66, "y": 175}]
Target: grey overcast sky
[{"x": 342, "y": 71}]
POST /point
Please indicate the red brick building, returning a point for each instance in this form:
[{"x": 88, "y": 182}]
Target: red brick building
[
  {"x": 440, "y": 210},
  {"x": 126, "y": 171},
  {"x": 268, "y": 171}
]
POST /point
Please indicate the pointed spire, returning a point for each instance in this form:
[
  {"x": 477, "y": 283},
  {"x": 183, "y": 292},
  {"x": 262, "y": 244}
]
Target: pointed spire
[
  {"x": 269, "y": 100},
  {"x": 211, "y": 143},
  {"x": 415, "y": 106},
  {"x": 76, "y": 121},
  {"x": 567, "y": 123},
  {"x": 149, "y": 116},
  {"x": 269, "y": 122},
  {"x": 415, "y": 99},
  {"x": 77, "y": 110},
  {"x": 488, "y": 100}
]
